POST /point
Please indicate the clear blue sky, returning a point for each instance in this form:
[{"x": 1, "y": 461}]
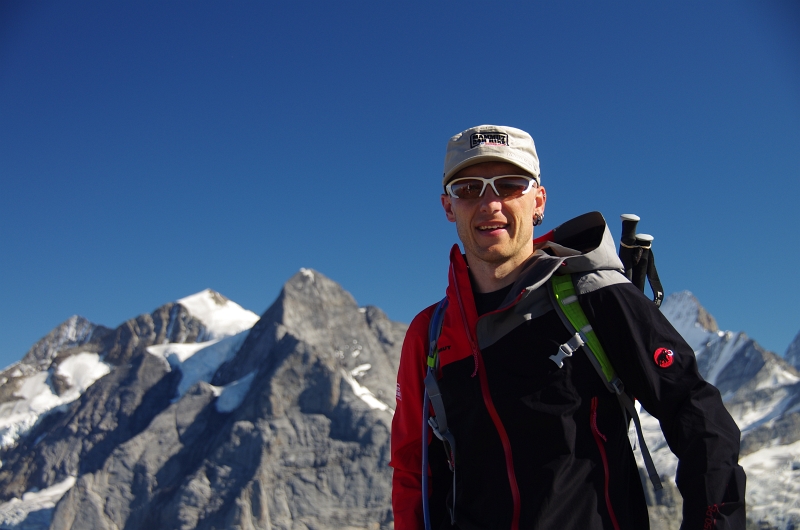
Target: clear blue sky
[{"x": 149, "y": 150}]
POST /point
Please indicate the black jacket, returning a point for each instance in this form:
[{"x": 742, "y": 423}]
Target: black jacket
[{"x": 544, "y": 447}]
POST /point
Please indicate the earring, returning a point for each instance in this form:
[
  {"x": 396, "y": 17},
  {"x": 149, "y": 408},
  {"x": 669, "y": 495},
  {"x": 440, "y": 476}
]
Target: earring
[{"x": 537, "y": 219}]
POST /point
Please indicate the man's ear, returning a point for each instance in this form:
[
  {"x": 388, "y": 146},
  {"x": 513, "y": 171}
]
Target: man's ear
[
  {"x": 541, "y": 198},
  {"x": 448, "y": 207}
]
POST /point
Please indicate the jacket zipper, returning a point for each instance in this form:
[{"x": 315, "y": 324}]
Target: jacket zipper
[
  {"x": 487, "y": 401},
  {"x": 600, "y": 440}
]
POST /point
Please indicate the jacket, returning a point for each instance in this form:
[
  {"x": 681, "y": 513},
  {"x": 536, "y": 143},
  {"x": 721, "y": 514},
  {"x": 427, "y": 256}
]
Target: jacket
[{"x": 538, "y": 446}]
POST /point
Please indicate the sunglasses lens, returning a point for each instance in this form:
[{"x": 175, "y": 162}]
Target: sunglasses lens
[
  {"x": 467, "y": 188},
  {"x": 511, "y": 186}
]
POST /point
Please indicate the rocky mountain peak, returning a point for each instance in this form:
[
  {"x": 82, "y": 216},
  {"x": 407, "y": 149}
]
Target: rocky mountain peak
[
  {"x": 317, "y": 311},
  {"x": 761, "y": 391},
  {"x": 683, "y": 307},
  {"x": 170, "y": 323},
  {"x": 696, "y": 324},
  {"x": 312, "y": 303},
  {"x": 73, "y": 332},
  {"x": 792, "y": 354}
]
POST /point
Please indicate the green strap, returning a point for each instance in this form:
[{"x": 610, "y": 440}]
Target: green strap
[
  {"x": 567, "y": 299},
  {"x": 570, "y": 310}
]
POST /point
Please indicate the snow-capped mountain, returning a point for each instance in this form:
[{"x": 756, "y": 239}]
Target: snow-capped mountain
[
  {"x": 203, "y": 415},
  {"x": 58, "y": 370},
  {"x": 762, "y": 392},
  {"x": 61, "y": 366}
]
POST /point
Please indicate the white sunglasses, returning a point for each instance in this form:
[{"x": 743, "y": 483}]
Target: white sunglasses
[{"x": 504, "y": 186}]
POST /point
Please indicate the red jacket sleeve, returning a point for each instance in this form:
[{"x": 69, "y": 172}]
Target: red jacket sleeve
[{"x": 407, "y": 426}]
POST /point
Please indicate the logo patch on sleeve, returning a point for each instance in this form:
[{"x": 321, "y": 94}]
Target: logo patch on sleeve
[
  {"x": 664, "y": 357},
  {"x": 397, "y": 393}
]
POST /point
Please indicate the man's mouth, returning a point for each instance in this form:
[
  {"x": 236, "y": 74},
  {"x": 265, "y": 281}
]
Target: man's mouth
[{"x": 489, "y": 228}]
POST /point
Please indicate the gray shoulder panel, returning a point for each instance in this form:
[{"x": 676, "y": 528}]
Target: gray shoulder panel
[{"x": 594, "y": 280}]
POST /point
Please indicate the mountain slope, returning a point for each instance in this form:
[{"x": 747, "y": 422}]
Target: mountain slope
[
  {"x": 285, "y": 425},
  {"x": 762, "y": 392},
  {"x": 302, "y": 445},
  {"x": 63, "y": 415}
]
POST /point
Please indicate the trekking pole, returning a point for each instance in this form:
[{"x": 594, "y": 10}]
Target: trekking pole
[
  {"x": 643, "y": 244},
  {"x": 636, "y": 254},
  {"x": 652, "y": 276},
  {"x": 628, "y": 250}
]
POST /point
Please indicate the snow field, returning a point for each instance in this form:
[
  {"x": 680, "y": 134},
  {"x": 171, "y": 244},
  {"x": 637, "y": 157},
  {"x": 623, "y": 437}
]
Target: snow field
[
  {"x": 773, "y": 483},
  {"x": 232, "y": 395},
  {"x": 37, "y": 396},
  {"x": 16, "y": 511},
  {"x": 226, "y": 322},
  {"x": 221, "y": 317},
  {"x": 363, "y": 392},
  {"x": 199, "y": 361}
]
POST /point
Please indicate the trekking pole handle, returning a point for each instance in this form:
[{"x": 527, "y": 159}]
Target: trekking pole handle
[{"x": 629, "y": 222}]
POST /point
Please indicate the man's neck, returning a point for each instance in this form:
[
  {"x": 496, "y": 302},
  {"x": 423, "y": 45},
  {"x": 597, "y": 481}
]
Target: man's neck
[{"x": 489, "y": 277}]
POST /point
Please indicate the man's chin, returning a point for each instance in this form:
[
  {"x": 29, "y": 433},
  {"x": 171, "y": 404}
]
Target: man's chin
[
  {"x": 495, "y": 256},
  {"x": 499, "y": 254}
]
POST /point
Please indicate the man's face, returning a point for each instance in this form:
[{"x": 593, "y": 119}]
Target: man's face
[{"x": 493, "y": 230}]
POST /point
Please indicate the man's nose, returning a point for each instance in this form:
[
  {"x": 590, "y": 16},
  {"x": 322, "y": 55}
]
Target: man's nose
[{"x": 490, "y": 199}]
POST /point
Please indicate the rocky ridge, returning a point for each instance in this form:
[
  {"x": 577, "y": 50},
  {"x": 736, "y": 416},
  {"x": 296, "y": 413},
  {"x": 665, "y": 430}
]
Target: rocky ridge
[{"x": 287, "y": 424}]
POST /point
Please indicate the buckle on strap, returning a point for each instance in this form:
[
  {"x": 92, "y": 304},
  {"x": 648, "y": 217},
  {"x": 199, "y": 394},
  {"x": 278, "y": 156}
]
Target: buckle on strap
[
  {"x": 435, "y": 427},
  {"x": 567, "y": 349}
]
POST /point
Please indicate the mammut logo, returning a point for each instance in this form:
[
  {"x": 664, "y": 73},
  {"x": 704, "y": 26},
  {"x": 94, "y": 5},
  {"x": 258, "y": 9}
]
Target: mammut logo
[
  {"x": 664, "y": 357},
  {"x": 397, "y": 394},
  {"x": 710, "y": 520},
  {"x": 443, "y": 348},
  {"x": 487, "y": 139}
]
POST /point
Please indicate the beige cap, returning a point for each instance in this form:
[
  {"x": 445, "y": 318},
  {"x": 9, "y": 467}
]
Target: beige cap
[{"x": 488, "y": 143}]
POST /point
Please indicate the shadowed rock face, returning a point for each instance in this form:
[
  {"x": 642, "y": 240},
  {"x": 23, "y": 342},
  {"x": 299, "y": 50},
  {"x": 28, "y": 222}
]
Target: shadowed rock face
[
  {"x": 792, "y": 354},
  {"x": 76, "y": 331},
  {"x": 306, "y": 447},
  {"x": 79, "y": 436},
  {"x": 168, "y": 323}
]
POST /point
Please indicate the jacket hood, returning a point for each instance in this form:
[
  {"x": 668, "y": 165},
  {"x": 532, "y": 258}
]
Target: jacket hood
[
  {"x": 581, "y": 244},
  {"x": 585, "y": 242}
]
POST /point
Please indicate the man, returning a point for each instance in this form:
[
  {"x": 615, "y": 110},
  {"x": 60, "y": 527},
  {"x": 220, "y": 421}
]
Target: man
[{"x": 539, "y": 443}]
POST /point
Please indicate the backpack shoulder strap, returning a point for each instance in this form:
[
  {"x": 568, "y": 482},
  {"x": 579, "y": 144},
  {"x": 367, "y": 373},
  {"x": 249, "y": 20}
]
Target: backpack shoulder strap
[
  {"x": 438, "y": 423},
  {"x": 566, "y": 303},
  {"x": 432, "y": 391},
  {"x": 434, "y": 330},
  {"x": 565, "y": 300}
]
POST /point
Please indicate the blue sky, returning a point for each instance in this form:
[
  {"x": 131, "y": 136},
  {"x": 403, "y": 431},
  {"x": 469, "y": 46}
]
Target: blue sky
[{"x": 149, "y": 150}]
